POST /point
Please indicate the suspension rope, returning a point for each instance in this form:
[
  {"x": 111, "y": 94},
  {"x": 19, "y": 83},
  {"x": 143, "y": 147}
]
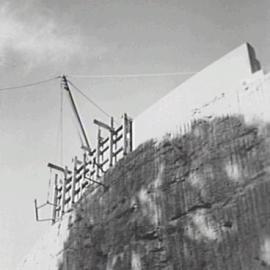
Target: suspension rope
[
  {"x": 28, "y": 85},
  {"x": 133, "y": 75}
]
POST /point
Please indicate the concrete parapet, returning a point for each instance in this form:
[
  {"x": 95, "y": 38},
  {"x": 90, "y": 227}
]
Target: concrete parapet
[{"x": 176, "y": 108}]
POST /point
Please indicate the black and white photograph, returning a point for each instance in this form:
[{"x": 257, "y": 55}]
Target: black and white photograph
[{"x": 134, "y": 135}]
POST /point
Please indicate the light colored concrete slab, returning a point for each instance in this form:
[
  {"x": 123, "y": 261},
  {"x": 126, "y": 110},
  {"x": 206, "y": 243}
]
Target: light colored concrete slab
[{"x": 170, "y": 112}]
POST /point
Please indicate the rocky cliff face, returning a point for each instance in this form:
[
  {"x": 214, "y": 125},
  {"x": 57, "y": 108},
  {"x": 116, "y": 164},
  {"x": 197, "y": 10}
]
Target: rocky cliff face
[{"x": 196, "y": 201}]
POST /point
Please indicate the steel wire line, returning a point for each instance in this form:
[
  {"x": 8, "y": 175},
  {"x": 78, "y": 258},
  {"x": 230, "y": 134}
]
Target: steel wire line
[
  {"x": 89, "y": 99},
  {"x": 28, "y": 85},
  {"x": 132, "y": 75}
]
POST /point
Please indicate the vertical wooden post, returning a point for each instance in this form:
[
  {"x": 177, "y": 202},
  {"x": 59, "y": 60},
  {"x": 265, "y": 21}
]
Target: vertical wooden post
[
  {"x": 64, "y": 191},
  {"x": 74, "y": 181},
  {"x": 55, "y": 195},
  {"x": 92, "y": 173},
  {"x": 84, "y": 172},
  {"x": 130, "y": 144},
  {"x": 125, "y": 133},
  {"x": 111, "y": 142},
  {"x": 98, "y": 153}
]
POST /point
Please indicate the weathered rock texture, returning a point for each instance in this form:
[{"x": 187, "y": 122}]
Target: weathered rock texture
[{"x": 198, "y": 201}]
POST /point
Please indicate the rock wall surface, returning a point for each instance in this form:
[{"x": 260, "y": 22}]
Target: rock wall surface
[
  {"x": 199, "y": 201},
  {"x": 196, "y": 201}
]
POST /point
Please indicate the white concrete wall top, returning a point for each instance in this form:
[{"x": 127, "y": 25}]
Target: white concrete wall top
[{"x": 170, "y": 112}]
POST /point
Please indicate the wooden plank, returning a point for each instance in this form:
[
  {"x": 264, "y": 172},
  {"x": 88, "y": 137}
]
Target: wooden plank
[
  {"x": 85, "y": 170},
  {"x": 55, "y": 199},
  {"x": 80, "y": 168},
  {"x": 98, "y": 152},
  {"x": 100, "y": 165},
  {"x": 68, "y": 188},
  {"x": 111, "y": 144},
  {"x": 104, "y": 141},
  {"x": 73, "y": 185},
  {"x": 130, "y": 131},
  {"x": 68, "y": 179},
  {"x": 64, "y": 192},
  {"x": 36, "y": 210},
  {"x": 67, "y": 200},
  {"x": 104, "y": 150},
  {"x": 117, "y": 139},
  {"x": 58, "y": 168},
  {"x": 103, "y": 125},
  {"x": 118, "y": 151},
  {"x": 90, "y": 152},
  {"x": 118, "y": 129},
  {"x": 104, "y": 162},
  {"x": 79, "y": 177},
  {"x": 125, "y": 129},
  {"x": 85, "y": 184}
]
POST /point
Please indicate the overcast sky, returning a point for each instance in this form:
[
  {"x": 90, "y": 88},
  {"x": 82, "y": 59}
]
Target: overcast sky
[{"x": 43, "y": 39}]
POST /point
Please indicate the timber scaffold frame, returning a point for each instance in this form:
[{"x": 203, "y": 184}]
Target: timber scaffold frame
[{"x": 70, "y": 184}]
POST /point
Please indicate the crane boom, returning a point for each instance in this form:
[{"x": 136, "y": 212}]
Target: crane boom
[{"x": 66, "y": 87}]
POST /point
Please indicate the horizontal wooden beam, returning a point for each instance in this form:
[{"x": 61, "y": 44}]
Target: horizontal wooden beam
[
  {"x": 118, "y": 138},
  {"x": 104, "y": 150},
  {"x": 104, "y": 141},
  {"x": 118, "y": 129},
  {"x": 90, "y": 152},
  {"x": 80, "y": 169},
  {"x": 118, "y": 151},
  {"x": 103, "y": 125},
  {"x": 58, "y": 168}
]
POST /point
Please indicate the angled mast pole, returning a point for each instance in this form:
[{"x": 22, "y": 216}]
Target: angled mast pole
[{"x": 66, "y": 87}]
